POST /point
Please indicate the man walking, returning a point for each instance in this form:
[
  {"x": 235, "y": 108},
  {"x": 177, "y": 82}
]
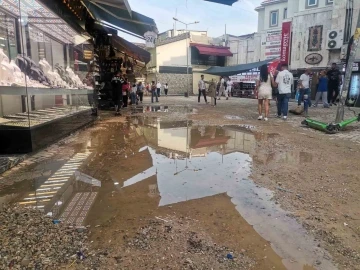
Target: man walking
[
  {"x": 202, "y": 89},
  {"x": 153, "y": 92},
  {"x": 229, "y": 85},
  {"x": 304, "y": 88},
  {"x": 335, "y": 80},
  {"x": 158, "y": 88},
  {"x": 284, "y": 80}
]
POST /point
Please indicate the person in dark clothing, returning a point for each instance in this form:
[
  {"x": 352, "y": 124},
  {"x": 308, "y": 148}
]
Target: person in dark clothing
[
  {"x": 117, "y": 84},
  {"x": 335, "y": 80},
  {"x": 125, "y": 93},
  {"x": 140, "y": 91}
]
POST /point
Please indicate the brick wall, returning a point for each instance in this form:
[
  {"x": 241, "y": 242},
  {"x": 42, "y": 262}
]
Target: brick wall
[{"x": 177, "y": 82}]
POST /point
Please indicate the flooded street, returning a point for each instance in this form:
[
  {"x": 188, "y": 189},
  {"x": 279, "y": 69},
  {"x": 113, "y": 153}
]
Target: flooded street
[{"x": 148, "y": 184}]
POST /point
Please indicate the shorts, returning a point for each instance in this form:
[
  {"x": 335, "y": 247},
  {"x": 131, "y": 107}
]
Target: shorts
[{"x": 265, "y": 94}]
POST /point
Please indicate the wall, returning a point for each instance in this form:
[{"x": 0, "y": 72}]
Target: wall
[
  {"x": 245, "y": 49},
  {"x": 176, "y": 139},
  {"x": 177, "y": 82},
  {"x": 265, "y": 13},
  {"x": 173, "y": 54},
  {"x": 300, "y": 27}
]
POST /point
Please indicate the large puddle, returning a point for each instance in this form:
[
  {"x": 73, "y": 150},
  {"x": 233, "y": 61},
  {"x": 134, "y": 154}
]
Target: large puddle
[{"x": 186, "y": 163}]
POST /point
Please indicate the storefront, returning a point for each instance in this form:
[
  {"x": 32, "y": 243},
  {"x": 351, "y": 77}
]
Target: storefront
[{"x": 50, "y": 57}]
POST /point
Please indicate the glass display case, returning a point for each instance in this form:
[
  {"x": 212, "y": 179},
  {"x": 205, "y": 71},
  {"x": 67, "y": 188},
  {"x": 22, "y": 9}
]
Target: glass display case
[{"x": 46, "y": 77}]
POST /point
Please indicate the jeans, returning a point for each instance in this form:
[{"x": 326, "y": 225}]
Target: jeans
[
  {"x": 154, "y": 94},
  {"x": 166, "y": 91},
  {"x": 133, "y": 98},
  {"x": 125, "y": 101},
  {"x": 204, "y": 94},
  {"x": 283, "y": 104},
  {"x": 304, "y": 92},
  {"x": 158, "y": 92},
  {"x": 141, "y": 95},
  {"x": 333, "y": 92}
]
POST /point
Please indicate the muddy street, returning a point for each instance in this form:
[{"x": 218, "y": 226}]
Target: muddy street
[{"x": 184, "y": 185}]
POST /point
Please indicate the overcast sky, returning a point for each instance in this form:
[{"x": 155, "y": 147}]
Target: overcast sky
[{"x": 240, "y": 19}]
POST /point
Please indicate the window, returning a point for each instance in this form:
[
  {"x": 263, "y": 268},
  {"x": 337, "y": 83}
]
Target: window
[
  {"x": 274, "y": 15},
  {"x": 329, "y": 2},
  {"x": 312, "y": 3},
  {"x": 285, "y": 13}
]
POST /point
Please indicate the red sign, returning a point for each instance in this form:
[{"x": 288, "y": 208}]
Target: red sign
[
  {"x": 273, "y": 66},
  {"x": 285, "y": 42}
]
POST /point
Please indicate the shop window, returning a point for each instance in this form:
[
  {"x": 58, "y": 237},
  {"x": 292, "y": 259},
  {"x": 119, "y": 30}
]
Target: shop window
[
  {"x": 274, "y": 18},
  {"x": 206, "y": 60},
  {"x": 312, "y": 3},
  {"x": 285, "y": 13}
]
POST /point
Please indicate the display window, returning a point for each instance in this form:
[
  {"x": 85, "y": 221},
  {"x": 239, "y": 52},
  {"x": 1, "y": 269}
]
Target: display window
[{"x": 46, "y": 83}]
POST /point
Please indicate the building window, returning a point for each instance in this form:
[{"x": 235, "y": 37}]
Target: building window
[
  {"x": 274, "y": 18},
  {"x": 312, "y": 3},
  {"x": 329, "y": 2},
  {"x": 285, "y": 13}
]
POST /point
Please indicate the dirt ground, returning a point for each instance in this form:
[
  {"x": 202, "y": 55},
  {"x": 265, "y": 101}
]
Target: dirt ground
[{"x": 312, "y": 176}]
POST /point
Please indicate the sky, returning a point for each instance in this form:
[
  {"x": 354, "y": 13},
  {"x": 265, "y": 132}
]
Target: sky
[{"x": 241, "y": 18}]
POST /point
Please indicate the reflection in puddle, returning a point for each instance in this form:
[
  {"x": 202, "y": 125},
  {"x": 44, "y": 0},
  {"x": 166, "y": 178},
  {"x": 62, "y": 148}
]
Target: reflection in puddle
[{"x": 164, "y": 109}]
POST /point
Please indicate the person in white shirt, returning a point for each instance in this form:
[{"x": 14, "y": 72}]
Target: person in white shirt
[
  {"x": 284, "y": 81},
  {"x": 304, "y": 87},
  {"x": 229, "y": 85},
  {"x": 166, "y": 89},
  {"x": 158, "y": 89},
  {"x": 222, "y": 87},
  {"x": 133, "y": 93},
  {"x": 202, "y": 89}
]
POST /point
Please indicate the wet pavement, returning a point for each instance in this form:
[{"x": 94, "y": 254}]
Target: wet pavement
[{"x": 141, "y": 167}]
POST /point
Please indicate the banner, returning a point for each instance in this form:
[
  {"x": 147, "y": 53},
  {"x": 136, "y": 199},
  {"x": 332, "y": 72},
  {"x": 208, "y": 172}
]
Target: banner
[
  {"x": 272, "y": 44},
  {"x": 285, "y": 42},
  {"x": 273, "y": 66}
]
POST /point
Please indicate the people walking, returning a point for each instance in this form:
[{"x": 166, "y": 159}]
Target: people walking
[
  {"x": 304, "y": 89},
  {"x": 322, "y": 90},
  {"x": 158, "y": 89},
  {"x": 202, "y": 89},
  {"x": 334, "y": 82},
  {"x": 222, "y": 87},
  {"x": 229, "y": 85},
  {"x": 133, "y": 94},
  {"x": 166, "y": 89},
  {"x": 140, "y": 91},
  {"x": 125, "y": 93},
  {"x": 264, "y": 88},
  {"x": 212, "y": 92},
  {"x": 154, "y": 92},
  {"x": 284, "y": 80}
]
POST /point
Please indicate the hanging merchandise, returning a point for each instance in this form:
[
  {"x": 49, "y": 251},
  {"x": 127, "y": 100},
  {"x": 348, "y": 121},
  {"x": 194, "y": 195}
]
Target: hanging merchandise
[
  {"x": 125, "y": 61},
  {"x": 112, "y": 52}
]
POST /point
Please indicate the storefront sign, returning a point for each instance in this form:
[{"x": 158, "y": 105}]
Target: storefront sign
[
  {"x": 355, "y": 67},
  {"x": 273, "y": 44},
  {"x": 150, "y": 38},
  {"x": 313, "y": 59},
  {"x": 285, "y": 42},
  {"x": 244, "y": 78}
]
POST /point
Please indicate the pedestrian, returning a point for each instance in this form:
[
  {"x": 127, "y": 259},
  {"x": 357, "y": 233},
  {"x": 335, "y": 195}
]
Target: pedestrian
[
  {"x": 125, "y": 93},
  {"x": 264, "y": 88},
  {"x": 154, "y": 92},
  {"x": 158, "y": 88},
  {"x": 140, "y": 91},
  {"x": 166, "y": 89},
  {"x": 334, "y": 82},
  {"x": 202, "y": 89},
  {"x": 304, "y": 88},
  {"x": 133, "y": 93},
  {"x": 322, "y": 90},
  {"x": 229, "y": 85},
  {"x": 284, "y": 81},
  {"x": 117, "y": 83},
  {"x": 148, "y": 88},
  {"x": 222, "y": 87},
  {"x": 212, "y": 92}
]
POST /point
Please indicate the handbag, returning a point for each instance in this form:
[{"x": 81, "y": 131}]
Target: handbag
[{"x": 297, "y": 95}]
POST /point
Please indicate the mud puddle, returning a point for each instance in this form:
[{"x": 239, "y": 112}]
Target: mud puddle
[{"x": 128, "y": 172}]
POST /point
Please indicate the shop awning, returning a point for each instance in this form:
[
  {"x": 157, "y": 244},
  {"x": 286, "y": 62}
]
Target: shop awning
[
  {"x": 130, "y": 49},
  {"x": 223, "y": 2},
  {"x": 134, "y": 23},
  {"x": 123, "y": 4},
  {"x": 213, "y": 50},
  {"x": 234, "y": 70}
]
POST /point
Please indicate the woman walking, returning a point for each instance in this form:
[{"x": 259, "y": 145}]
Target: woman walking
[
  {"x": 322, "y": 90},
  {"x": 263, "y": 86}
]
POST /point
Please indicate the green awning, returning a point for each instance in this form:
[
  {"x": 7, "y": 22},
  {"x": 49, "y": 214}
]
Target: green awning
[{"x": 135, "y": 23}]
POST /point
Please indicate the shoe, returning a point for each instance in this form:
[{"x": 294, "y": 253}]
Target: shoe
[
  {"x": 266, "y": 119},
  {"x": 278, "y": 116},
  {"x": 330, "y": 104},
  {"x": 260, "y": 117},
  {"x": 334, "y": 103},
  {"x": 284, "y": 118},
  {"x": 227, "y": 98}
]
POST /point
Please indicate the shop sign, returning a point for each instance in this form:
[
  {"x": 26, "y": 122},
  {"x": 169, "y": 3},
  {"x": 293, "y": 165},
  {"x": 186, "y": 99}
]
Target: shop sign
[
  {"x": 285, "y": 42},
  {"x": 272, "y": 44},
  {"x": 355, "y": 67},
  {"x": 88, "y": 55},
  {"x": 150, "y": 38},
  {"x": 245, "y": 78},
  {"x": 313, "y": 59}
]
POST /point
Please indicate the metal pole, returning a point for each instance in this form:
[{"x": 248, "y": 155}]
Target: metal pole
[{"x": 187, "y": 61}]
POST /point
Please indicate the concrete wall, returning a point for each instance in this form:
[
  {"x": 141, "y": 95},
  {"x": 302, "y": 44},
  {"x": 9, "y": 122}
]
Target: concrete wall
[
  {"x": 177, "y": 82},
  {"x": 173, "y": 54}
]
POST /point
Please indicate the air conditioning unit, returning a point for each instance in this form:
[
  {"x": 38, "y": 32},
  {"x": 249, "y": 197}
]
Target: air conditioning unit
[{"x": 334, "y": 39}]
